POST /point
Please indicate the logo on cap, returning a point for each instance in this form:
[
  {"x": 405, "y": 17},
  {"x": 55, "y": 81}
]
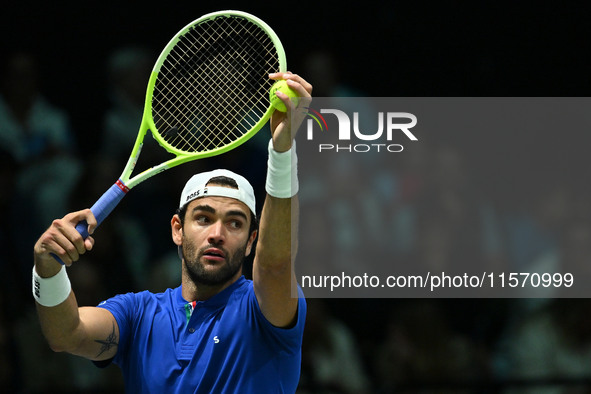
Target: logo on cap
[{"x": 196, "y": 194}]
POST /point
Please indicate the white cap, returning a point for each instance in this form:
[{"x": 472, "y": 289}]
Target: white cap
[{"x": 196, "y": 188}]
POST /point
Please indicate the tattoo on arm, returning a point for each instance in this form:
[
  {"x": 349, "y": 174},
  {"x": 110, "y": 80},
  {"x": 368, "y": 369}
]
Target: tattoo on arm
[{"x": 107, "y": 343}]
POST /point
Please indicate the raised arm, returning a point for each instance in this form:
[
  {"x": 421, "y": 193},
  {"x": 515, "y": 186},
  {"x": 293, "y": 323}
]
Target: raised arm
[
  {"x": 273, "y": 270},
  {"x": 88, "y": 332}
]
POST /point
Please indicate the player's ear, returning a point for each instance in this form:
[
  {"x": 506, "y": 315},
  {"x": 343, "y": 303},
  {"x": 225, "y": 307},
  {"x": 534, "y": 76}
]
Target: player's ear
[
  {"x": 253, "y": 236},
  {"x": 176, "y": 229}
]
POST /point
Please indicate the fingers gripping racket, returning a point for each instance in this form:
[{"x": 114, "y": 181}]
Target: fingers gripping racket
[{"x": 207, "y": 94}]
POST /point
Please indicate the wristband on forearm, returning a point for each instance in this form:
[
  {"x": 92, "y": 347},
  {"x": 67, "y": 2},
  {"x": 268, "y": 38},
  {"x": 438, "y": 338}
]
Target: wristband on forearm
[
  {"x": 282, "y": 168},
  {"x": 51, "y": 291}
]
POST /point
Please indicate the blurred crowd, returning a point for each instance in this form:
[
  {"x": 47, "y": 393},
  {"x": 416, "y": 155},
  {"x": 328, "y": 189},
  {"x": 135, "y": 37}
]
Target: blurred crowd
[{"x": 439, "y": 210}]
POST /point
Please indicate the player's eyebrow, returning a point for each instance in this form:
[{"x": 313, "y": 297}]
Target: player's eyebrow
[
  {"x": 204, "y": 207},
  {"x": 237, "y": 213},
  {"x": 210, "y": 209}
]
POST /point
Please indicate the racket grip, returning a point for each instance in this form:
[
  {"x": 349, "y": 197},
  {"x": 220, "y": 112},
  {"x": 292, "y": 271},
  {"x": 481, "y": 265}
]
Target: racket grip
[
  {"x": 104, "y": 206},
  {"x": 101, "y": 209}
]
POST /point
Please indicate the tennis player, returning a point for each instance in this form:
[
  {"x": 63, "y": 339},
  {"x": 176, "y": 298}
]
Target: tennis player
[{"x": 217, "y": 332}]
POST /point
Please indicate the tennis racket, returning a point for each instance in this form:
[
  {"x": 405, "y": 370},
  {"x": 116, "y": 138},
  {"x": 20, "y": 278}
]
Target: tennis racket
[{"x": 208, "y": 93}]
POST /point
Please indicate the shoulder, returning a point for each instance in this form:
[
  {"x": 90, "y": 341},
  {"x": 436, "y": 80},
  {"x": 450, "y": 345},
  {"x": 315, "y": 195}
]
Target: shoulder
[
  {"x": 138, "y": 300},
  {"x": 247, "y": 295}
]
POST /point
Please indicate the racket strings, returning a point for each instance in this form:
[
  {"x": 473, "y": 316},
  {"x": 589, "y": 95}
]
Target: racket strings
[
  {"x": 213, "y": 86},
  {"x": 210, "y": 115}
]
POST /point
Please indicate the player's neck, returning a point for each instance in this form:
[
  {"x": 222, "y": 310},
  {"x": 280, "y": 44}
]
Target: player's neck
[{"x": 192, "y": 291}]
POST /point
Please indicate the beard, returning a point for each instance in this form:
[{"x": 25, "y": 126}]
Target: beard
[{"x": 196, "y": 268}]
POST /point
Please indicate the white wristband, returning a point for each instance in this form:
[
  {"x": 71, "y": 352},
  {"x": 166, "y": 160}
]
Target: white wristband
[
  {"x": 51, "y": 291},
  {"x": 282, "y": 172}
]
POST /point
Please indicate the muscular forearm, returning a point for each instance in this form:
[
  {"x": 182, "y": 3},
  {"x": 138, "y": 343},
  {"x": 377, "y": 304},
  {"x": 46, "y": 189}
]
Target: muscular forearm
[
  {"x": 68, "y": 328},
  {"x": 60, "y": 322},
  {"x": 278, "y": 233},
  {"x": 274, "y": 278},
  {"x": 273, "y": 272}
]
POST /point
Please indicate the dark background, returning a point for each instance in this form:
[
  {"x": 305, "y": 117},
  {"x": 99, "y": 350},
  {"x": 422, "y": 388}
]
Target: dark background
[{"x": 454, "y": 48}]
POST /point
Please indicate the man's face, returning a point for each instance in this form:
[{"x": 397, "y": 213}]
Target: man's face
[{"x": 215, "y": 239}]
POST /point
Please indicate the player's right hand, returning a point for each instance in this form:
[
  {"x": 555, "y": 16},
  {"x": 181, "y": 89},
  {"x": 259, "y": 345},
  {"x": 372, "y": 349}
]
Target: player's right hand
[{"x": 63, "y": 240}]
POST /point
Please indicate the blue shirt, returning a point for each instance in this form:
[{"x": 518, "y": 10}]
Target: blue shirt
[{"x": 225, "y": 346}]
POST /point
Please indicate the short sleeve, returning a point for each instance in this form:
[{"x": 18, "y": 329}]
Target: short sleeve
[
  {"x": 288, "y": 339},
  {"x": 124, "y": 309}
]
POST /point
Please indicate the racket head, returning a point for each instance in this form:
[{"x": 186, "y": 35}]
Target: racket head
[{"x": 208, "y": 91}]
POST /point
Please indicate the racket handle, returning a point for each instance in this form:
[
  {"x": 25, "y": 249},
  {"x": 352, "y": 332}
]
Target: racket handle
[
  {"x": 104, "y": 206},
  {"x": 101, "y": 209}
]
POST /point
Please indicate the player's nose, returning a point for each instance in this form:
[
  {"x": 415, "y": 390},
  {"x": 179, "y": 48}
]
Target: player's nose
[{"x": 216, "y": 234}]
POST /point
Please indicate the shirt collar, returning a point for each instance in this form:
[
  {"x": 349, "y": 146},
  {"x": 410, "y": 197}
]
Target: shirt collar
[{"x": 219, "y": 299}]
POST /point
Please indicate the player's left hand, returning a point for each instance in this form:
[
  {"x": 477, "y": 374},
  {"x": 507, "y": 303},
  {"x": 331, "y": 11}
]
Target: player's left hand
[{"x": 284, "y": 125}]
